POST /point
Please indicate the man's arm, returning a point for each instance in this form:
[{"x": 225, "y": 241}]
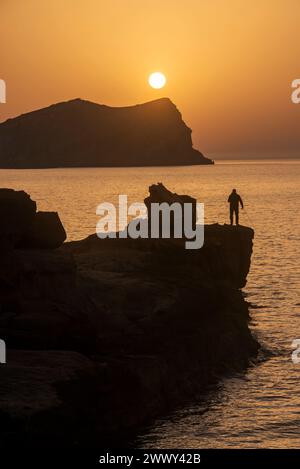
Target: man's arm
[{"x": 241, "y": 202}]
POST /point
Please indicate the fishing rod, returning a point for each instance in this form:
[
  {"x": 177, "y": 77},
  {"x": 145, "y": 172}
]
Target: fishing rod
[{"x": 248, "y": 216}]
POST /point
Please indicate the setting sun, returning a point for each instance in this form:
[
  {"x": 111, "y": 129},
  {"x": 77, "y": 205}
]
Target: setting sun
[
  {"x": 157, "y": 80},
  {"x": 148, "y": 309}
]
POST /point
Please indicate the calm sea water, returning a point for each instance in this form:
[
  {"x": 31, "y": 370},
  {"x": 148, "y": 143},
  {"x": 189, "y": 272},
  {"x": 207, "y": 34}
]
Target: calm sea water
[{"x": 261, "y": 407}]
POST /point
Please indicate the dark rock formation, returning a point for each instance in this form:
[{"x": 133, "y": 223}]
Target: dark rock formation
[
  {"x": 45, "y": 232},
  {"x": 104, "y": 335},
  {"x": 17, "y": 212},
  {"x": 22, "y": 226},
  {"x": 159, "y": 194},
  {"x": 81, "y": 133}
]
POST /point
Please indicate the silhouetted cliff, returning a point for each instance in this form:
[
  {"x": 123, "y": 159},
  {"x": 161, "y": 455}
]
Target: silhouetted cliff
[
  {"x": 81, "y": 133},
  {"x": 104, "y": 335}
]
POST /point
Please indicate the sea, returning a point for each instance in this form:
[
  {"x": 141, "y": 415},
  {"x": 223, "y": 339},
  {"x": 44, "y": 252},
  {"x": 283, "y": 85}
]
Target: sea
[{"x": 259, "y": 407}]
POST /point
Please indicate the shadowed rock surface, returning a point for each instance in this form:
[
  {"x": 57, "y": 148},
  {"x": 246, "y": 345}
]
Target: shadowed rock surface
[
  {"x": 17, "y": 212},
  {"x": 80, "y": 133},
  {"x": 159, "y": 194},
  {"x": 21, "y": 225},
  {"x": 45, "y": 232},
  {"x": 104, "y": 335}
]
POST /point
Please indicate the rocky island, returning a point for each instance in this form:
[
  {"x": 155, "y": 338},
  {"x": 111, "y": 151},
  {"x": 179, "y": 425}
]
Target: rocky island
[
  {"x": 80, "y": 133},
  {"x": 103, "y": 335}
]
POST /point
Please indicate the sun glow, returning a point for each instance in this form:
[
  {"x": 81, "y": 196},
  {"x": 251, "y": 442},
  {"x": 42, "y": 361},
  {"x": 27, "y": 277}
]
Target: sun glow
[{"x": 157, "y": 80}]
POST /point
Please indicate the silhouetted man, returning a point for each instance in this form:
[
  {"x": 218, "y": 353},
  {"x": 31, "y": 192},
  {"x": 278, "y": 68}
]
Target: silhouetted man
[{"x": 235, "y": 200}]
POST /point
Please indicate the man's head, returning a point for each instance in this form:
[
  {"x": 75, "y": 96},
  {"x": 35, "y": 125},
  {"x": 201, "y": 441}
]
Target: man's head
[{"x": 234, "y": 191}]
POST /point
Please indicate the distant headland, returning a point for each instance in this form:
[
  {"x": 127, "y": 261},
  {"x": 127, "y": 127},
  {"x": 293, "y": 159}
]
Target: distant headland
[{"x": 80, "y": 133}]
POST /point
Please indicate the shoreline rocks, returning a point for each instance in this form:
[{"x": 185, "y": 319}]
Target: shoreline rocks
[
  {"x": 22, "y": 226},
  {"x": 104, "y": 335},
  {"x": 45, "y": 232}
]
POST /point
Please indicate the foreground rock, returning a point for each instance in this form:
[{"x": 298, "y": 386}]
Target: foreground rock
[
  {"x": 80, "y": 133},
  {"x": 17, "y": 213},
  {"x": 105, "y": 335},
  {"x": 22, "y": 226},
  {"x": 45, "y": 232}
]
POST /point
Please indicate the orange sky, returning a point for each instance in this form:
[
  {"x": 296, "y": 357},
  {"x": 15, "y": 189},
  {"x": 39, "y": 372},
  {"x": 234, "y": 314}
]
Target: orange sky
[{"x": 229, "y": 63}]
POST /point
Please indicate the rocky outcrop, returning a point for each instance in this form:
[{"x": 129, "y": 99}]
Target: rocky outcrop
[
  {"x": 80, "y": 133},
  {"x": 17, "y": 212},
  {"x": 105, "y": 334},
  {"x": 45, "y": 232},
  {"x": 159, "y": 194},
  {"x": 22, "y": 226}
]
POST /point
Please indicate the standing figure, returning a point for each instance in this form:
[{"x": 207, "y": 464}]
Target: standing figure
[{"x": 234, "y": 200}]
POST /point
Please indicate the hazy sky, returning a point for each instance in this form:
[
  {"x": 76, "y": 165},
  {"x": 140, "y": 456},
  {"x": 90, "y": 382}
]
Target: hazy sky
[{"x": 229, "y": 63}]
